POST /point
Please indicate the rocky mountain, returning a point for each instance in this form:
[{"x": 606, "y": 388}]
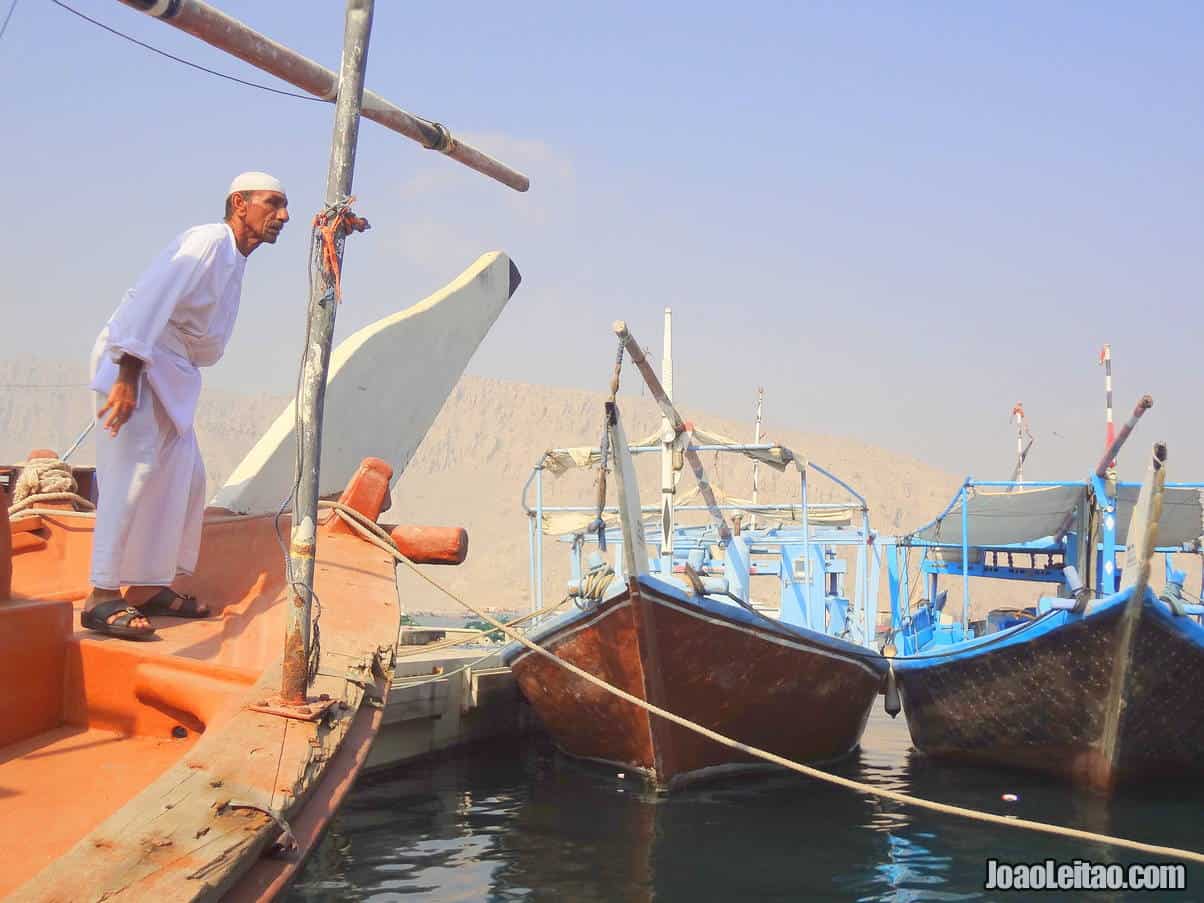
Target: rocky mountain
[{"x": 471, "y": 468}]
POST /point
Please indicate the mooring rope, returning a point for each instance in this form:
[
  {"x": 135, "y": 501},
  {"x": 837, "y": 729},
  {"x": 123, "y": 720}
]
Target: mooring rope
[{"x": 373, "y": 533}]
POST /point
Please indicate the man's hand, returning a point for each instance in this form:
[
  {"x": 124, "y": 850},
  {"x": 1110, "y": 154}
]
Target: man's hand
[{"x": 123, "y": 397}]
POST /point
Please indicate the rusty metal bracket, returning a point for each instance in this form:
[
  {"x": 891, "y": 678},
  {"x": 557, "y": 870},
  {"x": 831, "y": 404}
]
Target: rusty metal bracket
[{"x": 312, "y": 709}]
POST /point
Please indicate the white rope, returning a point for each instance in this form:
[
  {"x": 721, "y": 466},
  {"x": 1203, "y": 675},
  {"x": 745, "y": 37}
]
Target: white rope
[
  {"x": 377, "y": 536},
  {"x": 43, "y": 475},
  {"x": 45, "y": 480}
]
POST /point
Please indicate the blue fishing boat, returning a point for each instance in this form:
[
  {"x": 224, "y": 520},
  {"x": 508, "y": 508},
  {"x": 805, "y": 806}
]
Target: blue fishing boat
[
  {"x": 1094, "y": 678},
  {"x": 672, "y": 613}
]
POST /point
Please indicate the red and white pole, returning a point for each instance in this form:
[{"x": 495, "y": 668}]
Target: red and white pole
[
  {"x": 1105, "y": 359},
  {"x": 1018, "y": 415}
]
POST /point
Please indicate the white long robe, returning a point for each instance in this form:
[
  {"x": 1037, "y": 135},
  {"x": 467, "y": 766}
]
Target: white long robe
[{"x": 177, "y": 318}]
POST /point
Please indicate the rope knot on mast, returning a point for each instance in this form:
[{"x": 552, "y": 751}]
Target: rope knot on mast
[{"x": 330, "y": 228}]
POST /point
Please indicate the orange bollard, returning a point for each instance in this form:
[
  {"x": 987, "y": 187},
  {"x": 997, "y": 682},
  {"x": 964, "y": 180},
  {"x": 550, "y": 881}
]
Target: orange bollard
[
  {"x": 431, "y": 545},
  {"x": 366, "y": 492}
]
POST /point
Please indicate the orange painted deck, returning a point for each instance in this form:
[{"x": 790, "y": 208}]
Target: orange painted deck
[
  {"x": 44, "y": 779},
  {"x": 138, "y": 769}
]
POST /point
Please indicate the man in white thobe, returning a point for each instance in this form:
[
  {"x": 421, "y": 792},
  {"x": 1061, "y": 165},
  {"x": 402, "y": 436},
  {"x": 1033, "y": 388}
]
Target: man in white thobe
[{"x": 145, "y": 367}]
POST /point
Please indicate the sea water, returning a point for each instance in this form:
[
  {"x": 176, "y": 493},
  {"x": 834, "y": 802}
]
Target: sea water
[{"x": 522, "y": 822}]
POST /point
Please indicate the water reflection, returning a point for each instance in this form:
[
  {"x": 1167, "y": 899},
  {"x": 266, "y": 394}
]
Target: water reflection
[{"x": 523, "y": 823}]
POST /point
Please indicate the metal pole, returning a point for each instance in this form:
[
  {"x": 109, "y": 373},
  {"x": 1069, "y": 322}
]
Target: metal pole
[
  {"x": 809, "y": 573},
  {"x": 875, "y": 581},
  {"x": 531, "y": 534},
  {"x": 312, "y": 394},
  {"x": 226, "y": 33},
  {"x": 863, "y": 579},
  {"x": 539, "y": 538},
  {"x": 79, "y": 440},
  {"x": 668, "y": 437},
  {"x": 965, "y": 561},
  {"x": 1022, "y": 447},
  {"x": 757, "y": 441}
]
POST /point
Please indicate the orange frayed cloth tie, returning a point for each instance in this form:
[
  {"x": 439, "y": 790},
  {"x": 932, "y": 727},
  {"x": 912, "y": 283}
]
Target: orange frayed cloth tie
[{"x": 327, "y": 225}]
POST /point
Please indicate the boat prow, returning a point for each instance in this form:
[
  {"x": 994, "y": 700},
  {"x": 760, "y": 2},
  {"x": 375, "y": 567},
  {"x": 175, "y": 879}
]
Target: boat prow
[
  {"x": 387, "y": 384},
  {"x": 711, "y": 662},
  {"x": 1037, "y": 697}
]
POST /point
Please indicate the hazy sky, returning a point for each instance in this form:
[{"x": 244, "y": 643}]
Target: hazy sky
[{"x": 900, "y": 218}]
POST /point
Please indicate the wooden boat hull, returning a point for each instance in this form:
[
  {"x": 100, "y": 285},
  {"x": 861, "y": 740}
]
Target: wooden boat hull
[
  {"x": 795, "y": 693},
  {"x": 1038, "y": 697}
]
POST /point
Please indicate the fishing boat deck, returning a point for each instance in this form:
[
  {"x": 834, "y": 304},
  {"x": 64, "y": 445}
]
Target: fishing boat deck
[
  {"x": 70, "y": 771},
  {"x": 99, "y": 724}
]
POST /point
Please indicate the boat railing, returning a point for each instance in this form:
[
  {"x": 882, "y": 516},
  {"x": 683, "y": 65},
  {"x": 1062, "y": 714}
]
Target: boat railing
[
  {"x": 801, "y": 529},
  {"x": 535, "y": 478},
  {"x": 968, "y": 558}
]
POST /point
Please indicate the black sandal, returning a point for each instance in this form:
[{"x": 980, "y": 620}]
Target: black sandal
[
  {"x": 97, "y": 618},
  {"x": 171, "y": 604}
]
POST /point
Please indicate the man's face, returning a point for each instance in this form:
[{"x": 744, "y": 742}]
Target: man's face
[{"x": 265, "y": 214}]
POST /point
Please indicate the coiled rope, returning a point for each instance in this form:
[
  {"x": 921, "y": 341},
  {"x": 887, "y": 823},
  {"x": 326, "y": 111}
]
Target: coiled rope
[
  {"x": 373, "y": 533},
  {"x": 594, "y": 585},
  {"x": 45, "y": 480}
]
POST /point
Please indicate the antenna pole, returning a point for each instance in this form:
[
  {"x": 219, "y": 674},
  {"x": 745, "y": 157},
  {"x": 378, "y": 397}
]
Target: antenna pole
[
  {"x": 756, "y": 464},
  {"x": 668, "y": 437}
]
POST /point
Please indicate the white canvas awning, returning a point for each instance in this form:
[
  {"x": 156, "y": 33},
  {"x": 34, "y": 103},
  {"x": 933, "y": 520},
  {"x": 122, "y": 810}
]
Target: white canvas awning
[
  {"x": 996, "y": 517},
  {"x": 563, "y": 523},
  {"x": 558, "y": 461},
  {"x": 1182, "y": 518},
  {"x": 1000, "y": 518}
]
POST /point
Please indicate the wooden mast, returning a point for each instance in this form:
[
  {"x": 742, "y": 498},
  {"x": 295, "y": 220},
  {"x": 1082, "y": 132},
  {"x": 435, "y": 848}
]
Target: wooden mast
[
  {"x": 671, "y": 415},
  {"x": 311, "y": 396}
]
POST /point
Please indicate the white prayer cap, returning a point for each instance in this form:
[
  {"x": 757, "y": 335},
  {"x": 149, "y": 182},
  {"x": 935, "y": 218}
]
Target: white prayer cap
[{"x": 255, "y": 181}]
